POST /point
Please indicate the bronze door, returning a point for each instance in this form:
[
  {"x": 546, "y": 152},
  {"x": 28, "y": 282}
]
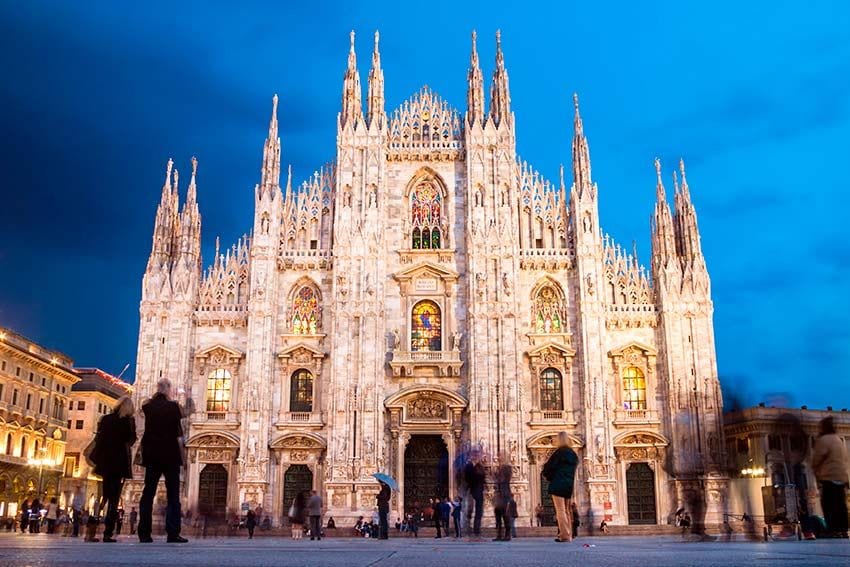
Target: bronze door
[
  {"x": 297, "y": 478},
  {"x": 640, "y": 494},
  {"x": 212, "y": 490},
  {"x": 426, "y": 471},
  {"x": 546, "y": 502}
]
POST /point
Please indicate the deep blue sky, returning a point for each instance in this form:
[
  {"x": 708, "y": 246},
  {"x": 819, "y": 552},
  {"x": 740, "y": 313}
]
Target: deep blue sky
[{"x": 96, "y": 97}]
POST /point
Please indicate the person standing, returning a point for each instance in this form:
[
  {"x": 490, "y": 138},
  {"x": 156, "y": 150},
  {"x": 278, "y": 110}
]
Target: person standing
[
  {"x": 384, "y": 510},
  {"x": 474, "y": 476},
  {"x": 512, "y": 514},
  {"x": 77, "y": 508},
  {"x": 25, "y": 516},
  {"x": 52, "y": 515},
  {"x": 829, "y": 462},
  {"x": 250, "y": 523},
  {"x": 35, "y": 516},
  {"x": 115, "y": 437},
  {"x": 436, "y": 516},
  {"x": 161, "y": 455},
  {"x": 500, "y": 503},
  {"x": 133, "y": 517},
  {"x": 574, "y": 514},
  {"x": 119, "y": 522},
  {"x": 560, "y": 471},
  {"x": 457, "y": 507},
  {"x": 538, "y": 513},
  {"x": 314, "y": 510},
  {"x": 296, "y": 516}
]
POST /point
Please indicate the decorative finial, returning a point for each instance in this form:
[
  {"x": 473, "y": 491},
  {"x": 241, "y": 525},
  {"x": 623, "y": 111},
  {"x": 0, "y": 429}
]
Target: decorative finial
[
  {"x": 562, "y": 176},
  {"x": 274, "y": 104},
  {"x": 377, "y": 39},
  {"x": 194, "y": 166},
  {"x": 474, "y": 37},
  {"x": 352, "y": 41},
  {"x": 658, "y": 170},
  {"x": 682, "y": 169},
  {"x": 675, "y": 181},
  {"x": 168, "y": 168},
  {"x": 498, "y": 39},
  {"x": 575, "y": 101}
]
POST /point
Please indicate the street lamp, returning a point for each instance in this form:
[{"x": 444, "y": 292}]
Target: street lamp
[{"x": 40, "y": 462}]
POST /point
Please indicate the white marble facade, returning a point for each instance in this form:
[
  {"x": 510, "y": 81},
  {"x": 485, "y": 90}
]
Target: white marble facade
[{"x": 313, "y": 340}]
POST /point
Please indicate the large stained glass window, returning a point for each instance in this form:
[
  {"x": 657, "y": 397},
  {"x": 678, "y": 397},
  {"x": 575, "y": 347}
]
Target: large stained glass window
[
  {"x": 551, "y": 390},
  {"x": 218, "y": 390},
  {"x": 426, "y": 212},
  {"x": 634, "y": 389},
  {"x": 301, "y": 391},
  {"x": 548, "y": 311},
  {"x": 425, "y": 326},
  {"x": 305, "y": 312}
]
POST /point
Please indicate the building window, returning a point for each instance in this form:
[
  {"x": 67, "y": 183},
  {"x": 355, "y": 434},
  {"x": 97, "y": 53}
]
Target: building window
[
  {"x": 14, "y": 397},
  {"x": 41, "y": 406},
  {"x": 3, "y": 366},
  {"x": 425, "y": 326},
  {"x": 634, "y": 389},
  {"x": 774, "y": 443},
  {"x": 305, "y": 312},
  {"x": 219, "y": 385},
  {"x": 71, "y": 405},
  {"x": 9, "y": 444},
  {"x": 2, "y": 387},
  {"x": 551, "y": 390},
  {"x": 29, "y": 401},
  {"x": 69, "y": 424},
  {"x": 18, "y": 371},
  {"x": 301, "y": 391},
  {"x": 548, "y": 311},
  {"x": 81, "y": 405},
  {"x": 23, "y": 452},
  {"x": 79, "y": 424},
  {"x": 426, "y": 209},
  {"x": 743, "y": 445}
]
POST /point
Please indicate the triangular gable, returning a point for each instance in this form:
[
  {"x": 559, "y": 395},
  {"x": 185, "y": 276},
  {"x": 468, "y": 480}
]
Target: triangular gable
[
  {"x": 647, "y": 350},
  {"x": 417, "y": 270},
  {"x": 289, "y": 351},
  {"x": 551, "y": 345},
  {"x": 231, "y": 352}
]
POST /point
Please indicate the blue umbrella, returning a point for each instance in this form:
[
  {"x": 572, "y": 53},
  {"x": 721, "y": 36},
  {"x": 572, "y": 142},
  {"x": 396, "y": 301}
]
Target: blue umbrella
[{"x": 386, "y": 479}]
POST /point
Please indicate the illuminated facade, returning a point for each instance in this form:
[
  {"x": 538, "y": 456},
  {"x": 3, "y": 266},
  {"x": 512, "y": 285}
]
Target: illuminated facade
[
  {"x": 35, "y": 386},
  {"x": 425, "y": 293}
]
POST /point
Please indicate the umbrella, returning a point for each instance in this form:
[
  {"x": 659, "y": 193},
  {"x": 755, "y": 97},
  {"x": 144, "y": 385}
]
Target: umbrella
[{"x": 386, "y": 479}]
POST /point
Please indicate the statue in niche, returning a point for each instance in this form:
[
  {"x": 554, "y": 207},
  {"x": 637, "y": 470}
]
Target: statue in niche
[
  {"x": 456, "y": 338},
  {"x": 372, "y": 198},
  {"x": 506, "y": 284},
  {"x": 589, "y": 281},
  {"x": 253, "y": 398},
  {"x": 264, "y": 224},
  {"x": 396, "y": 339}
]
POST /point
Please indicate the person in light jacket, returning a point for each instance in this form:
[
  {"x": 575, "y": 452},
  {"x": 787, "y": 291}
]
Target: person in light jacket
[
  {"x": 829, "y": 462},
  {"x": 314, "y": 510},
  {"x": 560, "y": 471}
]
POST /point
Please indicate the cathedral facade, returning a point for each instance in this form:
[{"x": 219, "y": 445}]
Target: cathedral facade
[{"x": 426, "y": 294}]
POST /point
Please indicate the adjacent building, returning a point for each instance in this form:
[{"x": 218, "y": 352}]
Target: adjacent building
[
  {"x": 35, "y": 388},
  {"x": 426, "y": 293},
  {"x": 92, "y": 397}
]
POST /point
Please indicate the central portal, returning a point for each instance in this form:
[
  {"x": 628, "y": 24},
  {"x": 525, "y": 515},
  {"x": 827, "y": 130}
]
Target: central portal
[{"x": 426, "y": 471}]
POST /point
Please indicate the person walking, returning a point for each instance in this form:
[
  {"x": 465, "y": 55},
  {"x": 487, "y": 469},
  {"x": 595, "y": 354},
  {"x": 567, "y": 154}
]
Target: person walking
[
  {"x": 538, "y": 514},
  {"x": 314, "y": 510},
  {"x": 25, "y": 516},
  {"x": 560, "y": 471},
  {"x": 500, "y": 503},
  {"x": 35, "y": 516},
  {"x": 115, "y": 437},
  {"x": 574, "y": 514},
  {"x": 474, "y": 475},
  {"x": 296, "y": 516},
  {"x": 436, "y": 516},
  {"x": 161, "y": 455},
  {"x": 457, "y": 507},
  {"x": 134, "y": 516},
  {"x": 829, "y": 462},
  {"x": 250, "y": 523},
  {"x": 52, "y": 515},
  {"x": 384, "y": 510},
  {"x": 512, "y": 514},
  {"x": 77, "y": 509},
  {"x": 119, "y": 522}
]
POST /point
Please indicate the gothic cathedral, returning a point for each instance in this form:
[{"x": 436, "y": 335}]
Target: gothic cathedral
[{"x": 427, "y": 293}]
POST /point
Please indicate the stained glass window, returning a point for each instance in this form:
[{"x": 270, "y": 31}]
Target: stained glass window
[
  {"x": 551, "y": 390},
  {"x": 425, "y": 327},
  {"x": 426, "y": 214},
  {"x": 634, "y": 389},
  {"x": 305, "y": 312},
  {"x": 548, "y": 309},
  {"x": 301, "y": 391},
  {"x": 218, "y": 390}
]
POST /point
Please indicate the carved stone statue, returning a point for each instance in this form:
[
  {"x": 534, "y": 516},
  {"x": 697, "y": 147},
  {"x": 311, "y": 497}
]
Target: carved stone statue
[
  {"x": 506, "y": 284},
  {"x": 252, "y": 446},
  {"x": 396, "y": 339},
  {"x": 456, "y": 338},
  {"x": 425, "y": 408}
]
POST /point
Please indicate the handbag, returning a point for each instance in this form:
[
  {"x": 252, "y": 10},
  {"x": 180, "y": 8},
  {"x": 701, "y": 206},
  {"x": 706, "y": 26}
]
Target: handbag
[{"x": 292, "y": 511}]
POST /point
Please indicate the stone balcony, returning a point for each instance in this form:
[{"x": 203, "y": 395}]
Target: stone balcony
[
  {"x": 447, "y": 362},
  {"x": 549, "y": 418},
  {"x": 630, "y": 417},
  {"x": 310, "y": 259},
  {"x": 216, "y": 420},
  {"x": 301, "y": 420}
]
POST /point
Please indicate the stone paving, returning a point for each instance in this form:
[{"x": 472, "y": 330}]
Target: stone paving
[{"x": 42, "y": 550}]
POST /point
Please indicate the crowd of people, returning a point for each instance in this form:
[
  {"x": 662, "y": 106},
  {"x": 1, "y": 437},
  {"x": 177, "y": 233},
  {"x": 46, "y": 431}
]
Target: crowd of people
[{"x": 161, "y": 455}]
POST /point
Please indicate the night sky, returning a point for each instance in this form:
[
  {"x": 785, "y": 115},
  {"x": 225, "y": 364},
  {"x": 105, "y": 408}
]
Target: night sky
[{"x": 96, "y": 96}]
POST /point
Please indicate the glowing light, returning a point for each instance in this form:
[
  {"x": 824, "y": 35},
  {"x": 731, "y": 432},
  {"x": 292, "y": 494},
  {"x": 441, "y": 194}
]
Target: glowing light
[{"x": 753, "y": 472}]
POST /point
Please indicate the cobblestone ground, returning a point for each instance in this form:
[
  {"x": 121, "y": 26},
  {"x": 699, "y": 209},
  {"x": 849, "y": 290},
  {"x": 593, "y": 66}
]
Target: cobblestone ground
[{"x": 36, "y": 550}]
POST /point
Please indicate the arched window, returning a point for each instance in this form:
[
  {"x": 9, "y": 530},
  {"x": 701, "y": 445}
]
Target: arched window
[
  {"x": 425, "y": 326},
  {"x": 301, "y": 391},
  {"x": 548, "y": 311},
  {"x": 551, "y": 390},
  {"x": 23, "y": 447},
  {"x": 218, "y": 390},
  {"x": 426, "y": 210},
  {"x": 305, "y": 312},
  {"x": 634, "y": 389},
  {"x": 9, "y": 444}
]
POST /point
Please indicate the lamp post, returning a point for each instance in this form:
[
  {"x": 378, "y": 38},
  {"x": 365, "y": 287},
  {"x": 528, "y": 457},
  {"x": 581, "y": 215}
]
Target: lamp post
[{"x": 40, "y": 462}]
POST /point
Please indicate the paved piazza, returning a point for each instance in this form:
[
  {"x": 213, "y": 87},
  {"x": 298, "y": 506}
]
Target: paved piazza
[{"x": 18, "y": 550}]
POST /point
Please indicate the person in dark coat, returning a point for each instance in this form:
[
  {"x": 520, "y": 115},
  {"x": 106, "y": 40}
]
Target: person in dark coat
[
  {"x": 474, "y": 475},
  {"x": 250, "y": 523},
  {"x": 501, "y": 500},
  {"x": 25, "y": 515},
  {"x": 161, "y": 455},
  {"x": 384, "y": 510},
  {"x": 560, "y": 471},
  {"x": 115, "y": 437}
]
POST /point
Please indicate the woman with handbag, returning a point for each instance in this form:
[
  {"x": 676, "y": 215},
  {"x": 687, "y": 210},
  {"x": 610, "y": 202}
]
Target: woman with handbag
[
  {"x": 296, "y": 516},
  {"x": 116, "y": 435}
]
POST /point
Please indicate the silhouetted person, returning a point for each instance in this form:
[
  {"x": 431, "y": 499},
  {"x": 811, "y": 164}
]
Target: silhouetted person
[
  {"x": 296, "y": 515},
  {"x": 829, "y": 462},
  {"x": 161, "y": 455},
  {"x": 501, "y": 499},
  {"x": 250, "y": 523},
  {"x": 474, "y": 476},
  {"x": 25, "y": 515},
  {"x": 134, "y": 516},
  {"x": 314, "y": 510},
  {"x": 115, "y": 437},
  {"x": 457, "y": 506},
  {"x": 560, "y": 471},
  {"x": 384, "y": 510}
]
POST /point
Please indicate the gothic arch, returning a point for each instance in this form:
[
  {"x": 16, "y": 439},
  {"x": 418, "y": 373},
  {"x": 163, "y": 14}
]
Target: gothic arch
[
  {"x": 304, "y": 308},
  {"x": 640, "y": 438},
  {"x": 218, "y": 438},
  {"x": 452, "y": 399},
  {"x": 549, "y": 440},
  {"x": 302, "y": 439},
  {"x": 548, "y": 307},
  {"x": 425, "y": 173}
]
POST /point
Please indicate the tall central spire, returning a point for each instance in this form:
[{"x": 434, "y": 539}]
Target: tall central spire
[
  {"x": 352, "y": 105},
  {"x": 474, "y": 87},
  {"x": 581, "y": 154},
  {"x": 270, "y": 174},
  {"x": 663, "y": 233},
  {"x": 500, "y": 95},
  {"x": 376, "y": 88}
]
